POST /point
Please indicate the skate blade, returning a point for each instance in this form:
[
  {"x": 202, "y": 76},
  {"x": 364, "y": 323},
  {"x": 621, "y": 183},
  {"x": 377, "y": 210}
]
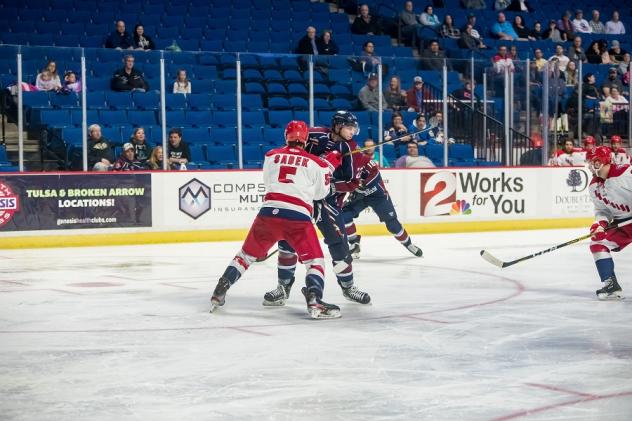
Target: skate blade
[
  {"x": 215, "y": 304},
  {"x": 355, "y": 256},
  {"x": 317, "y": 313},
  {"x": 278, "y": 303},
  {"x": 615, "y": 296},
  {"x": 357, "y": 302}
]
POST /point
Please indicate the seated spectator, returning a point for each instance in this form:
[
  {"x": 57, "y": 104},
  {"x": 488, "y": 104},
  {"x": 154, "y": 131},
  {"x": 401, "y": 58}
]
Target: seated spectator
[
  {"x": 326, "y": 45},
  {"x": 155, "y": 160},
  {"x": 307, "y": 44},
  {"x": 616, "y": 52},
  {"x": 51, "y": 66},
  {"x": 417, "y": 95},
  {"x": 429, "y": 19},
  {"x": 127, "y": 160},
  {"x": 182, "y": 84},
  {"x": 178, "y": 155},
  {"x": 513, "y": 53},
  {"x": 369, "y": 95},
  {"x": 471, "y": 20},
  {"x": 120, "y": 38},
  {"x": 448, "y": 30},
  {"x": 536, "y": 32},
  {"x": 615, "y": 26},
  {"x": 539, "y": 60},
  {"x": 397, "y": 129},
  {"x": 100, "y": 152},
  {"x": 589, "y": 88},
  {"x": 142, "y": 41},
  {"x": 500, "y": 5},
  {"x": 373, "y": 153},
  {"x": 562, "y": 60},
  {"x": 142, "y": 151},
  {"x": 45, "y": 82},
  {"x": 566, "y": 26},
  {"x": 436, "y": 122},
  {"x": 581, "y": 25},
  {"x": 128, "y": 78},
  {"x": 368, "y": 59},
  {"x": 409, "y": 22},
  {"x": 465, "y": 93},
  {"x": 576, "y": 52},
  {"x": 571, "y": 74},
  {"x": 523, "y": 32},
  {"x": 612, "y": 81},
  {"x": 502, "y": 61},
  {"x": 614, "y": 107},
  {"x": 419, "y": 124},
  {"x": 467, "y": 40},
  {"x": 595, "y": 24},
  {"x": 624, "y": 66},
  {"x": 365, "y": 24},
  {"x": 553, "y": 33},
  {"x": 394, "y": 95},
  {"x": 433, "y": 58},
  {"x": 503, "y": 29},
  {"x": 597, "y": 53},
  {"x": 520, "y": 6},
  {"x": 71, "y": 83},
  {"x": 412, "y": 159},
  {"x": 474, "y": 4}
]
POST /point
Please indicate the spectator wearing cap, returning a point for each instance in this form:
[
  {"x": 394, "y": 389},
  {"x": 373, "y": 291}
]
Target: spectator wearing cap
[
  {"x": 616, "y": 52},
  {"x": 595, "y": 24},
  {"x": 120, "y": 38},
  {"x": 178, "y": 154},
  {"x": 503, "y": 29},
  {"x": 307, "y": 44},
  {"x": 100, "y": 152},
  {"x": 614, "y": 26},
  {"x": 412, "y": 159},
  {"x": 562, "y": 60},
  {"x": 374, "y": 154},
  {"x": 553, "y": 33},
  {"x": 365, "y": 24},
  {"x": 127, "y": 160},
  {"x": 520, "y": 6},
  {"x": 369, "y": 95},
  {"x": 565, "y": 25},
  {"x": 433, "y": 58},
  {"x": 416, "y": 95},
  {"x": 612, "y": 81},
  {"x": 576, "y": 52},
  {"x": 469, "y": 41},
  {"x": 474, "y": 4},
  {"x": 580, "y": 24}
]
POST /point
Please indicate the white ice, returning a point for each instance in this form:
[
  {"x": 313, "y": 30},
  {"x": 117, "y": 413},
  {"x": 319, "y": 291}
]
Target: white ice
[{"x": 124, "y": 333}]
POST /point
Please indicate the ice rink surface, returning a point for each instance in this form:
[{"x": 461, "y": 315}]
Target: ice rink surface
[{"x": 124, "y": 333}]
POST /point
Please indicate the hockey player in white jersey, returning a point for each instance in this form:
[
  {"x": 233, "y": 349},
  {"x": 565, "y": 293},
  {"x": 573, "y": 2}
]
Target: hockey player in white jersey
[
  {"x": 611, "y": 193},
  {"x": 619, "y": 155}
]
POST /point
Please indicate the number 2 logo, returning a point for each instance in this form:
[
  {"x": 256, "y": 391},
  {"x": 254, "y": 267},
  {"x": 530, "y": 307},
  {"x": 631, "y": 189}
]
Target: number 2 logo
[{"x": 438, "y": 193}]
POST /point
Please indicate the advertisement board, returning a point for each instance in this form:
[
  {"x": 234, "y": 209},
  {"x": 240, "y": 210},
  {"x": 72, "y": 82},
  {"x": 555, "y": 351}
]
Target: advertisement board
[{"x": 570, "y": 195}]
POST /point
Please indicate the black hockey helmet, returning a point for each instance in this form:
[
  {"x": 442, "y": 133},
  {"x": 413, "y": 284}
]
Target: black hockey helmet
[{"x": 345, "y": 118}]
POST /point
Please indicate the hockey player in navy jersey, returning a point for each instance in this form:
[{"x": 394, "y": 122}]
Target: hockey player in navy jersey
[{"x": 327, "y": 213}]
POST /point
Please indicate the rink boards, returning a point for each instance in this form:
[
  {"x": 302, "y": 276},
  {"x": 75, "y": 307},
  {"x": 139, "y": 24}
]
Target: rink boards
[{"x": 52, "y": 210}]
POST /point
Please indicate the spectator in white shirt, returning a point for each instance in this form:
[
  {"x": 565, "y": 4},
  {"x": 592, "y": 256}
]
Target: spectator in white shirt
[
  {"x": 580, "y": 24},
  {"x": 562, "y": 60},
  {"x": 615, "y": 26},
  {"x": 182, "y": 85}
]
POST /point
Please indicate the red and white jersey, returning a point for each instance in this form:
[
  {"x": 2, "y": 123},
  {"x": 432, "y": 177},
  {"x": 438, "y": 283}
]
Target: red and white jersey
[
  {"x": 294, "y": 179},
  {"x": 563, "y": 159},
  {"x": 613, "y": 197},
  {"x": 620, "y": 157}
]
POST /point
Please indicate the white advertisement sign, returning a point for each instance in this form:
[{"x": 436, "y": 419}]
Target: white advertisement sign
[{"x": 570, "y": 195}]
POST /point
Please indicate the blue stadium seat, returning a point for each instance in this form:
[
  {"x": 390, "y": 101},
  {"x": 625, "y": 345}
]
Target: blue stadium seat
[
  {"x": 55, "y": 118},
  {"x": 197, "y": 155},
  {"x": 113, "y": 134},
  {"x": 224, "y": 135},
  {"x": 279, "y": 118},
  {"x": 92, "y": 116},
  {"x": 461, "y": 152},
  {"x": 200, "y": 102},
  {"x": 65, "y": 101},
  {"x": 72, "y": 135},
  {"x": 225, "y": 86},
  {"x": 225, "y": 118},
  {"x": 297, "y": 89},
  {"x": 225, "y": 101},
  {"x": 252, "y": 135},
  {"x": 254, "y": 88},
  {"x": 35, "y": 99},
  {"x": 141, "y": 118},
  {"x": 278, "y": 103},
  {"x": 113, "y": 117},
  {"x": 222, "y": 154},
  {"x": 276, "y": 89},
  {"x": 274, "y": 136},
  {"x": 176, "y": 101},
  {"x": 199, "y": 135},
  {"x": 119, "y": 100},
  {"x": 199, "y": 118},
  {"x": 252, "y": 154},
  {"x": 147, "y": 100},
  {"x": 251, "y": 102},
  {"x": 297, "y": 103},
  {"x": 176, "y": 118},
  {"x": 253, "y": 118}
]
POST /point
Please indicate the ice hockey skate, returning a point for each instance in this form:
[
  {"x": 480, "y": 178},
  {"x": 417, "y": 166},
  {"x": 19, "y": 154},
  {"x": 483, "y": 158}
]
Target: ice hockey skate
[
  {"x": 278, "y": 296},
  {"x": 219, "y": 295},
  {"x": 354, "y": 248},
  {"x": 318, "y": 309},
  {"x": 355, "y": 295},
  {"x": 611, "y": 290},
  {"x": 415, "y": 250}
]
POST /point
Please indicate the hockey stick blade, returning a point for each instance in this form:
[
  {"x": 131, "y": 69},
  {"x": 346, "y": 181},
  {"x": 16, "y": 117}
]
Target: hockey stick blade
[{"x": 491, "y": 259}]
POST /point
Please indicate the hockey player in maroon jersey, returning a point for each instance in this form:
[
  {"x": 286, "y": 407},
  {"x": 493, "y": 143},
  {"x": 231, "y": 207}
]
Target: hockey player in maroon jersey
[
  {"x": 611, "y": 193},
  {"x": 294, "y": 179}
]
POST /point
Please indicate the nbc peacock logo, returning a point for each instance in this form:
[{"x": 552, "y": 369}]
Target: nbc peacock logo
[{"x": 461, "y": 207}]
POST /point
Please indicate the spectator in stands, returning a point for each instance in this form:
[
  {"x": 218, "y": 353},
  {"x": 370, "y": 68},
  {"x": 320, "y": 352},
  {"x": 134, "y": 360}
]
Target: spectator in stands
[
  {"x": 465, "y": 93},
  {"x": 416, "y": 95},
  {"x": 178, "y": 154},
  {"x": 612, "y": 81},
  {"x": 326, "y": 45},
  {"x": 426, "y": 136},
  {"x": 120, "y": 38},
  {"x": 51, "y": 66},
  {"x": 368, "y": 58},
  {"x": 71, "y": 83},
  {"x": 142, "y": 151},
  {"x": 471, "y": 20},
  {"x": 524, "y": 34},
  {"x": 182, "y": 84},
  {"x": 100, "y": 152},
  {"x": 500, "y": 5},
  {"x": 562, "y": 60},
  {"x": 614, "y": 26},
  {"x": 624, "y": 66},
  {"x": 513, "y": 53},
  {"x": 571, "y": 74},
  {"x": 436, "y": 122},
  {"x": 397, "y": 129},
  {"x": 373, "y": 153},
  {"x": 539, "y": 60},
  {"x": 581, "y": 25},
  {"x": 502, "y": 61},
  {"x": 553, "y": 33},
  {"x": 533, "y": 156},
  {"x": 576, "y": 52},
  {"x": 595, "y": 24},
  {"x": 520, "y": 6},
  {"x": 474, "y": 4},
  {"x": 369, "y": 95},
  {"x": 127, "y": 160},
  {"x": 365, "y": 24},
  {"x": 155, "y": 160},
  {"x": 598, "y": 52},
  {"x": 589, "y": 88},
  {"x": 394, "y": 95},
  {"x": 468, "y": 41},
  {"x": 448, "y": 30},
  {"x": 412, "y": 159},
  {"x": 45, "y": 82},
  {"x": 307, "y": 44},
  {"x": 503, "y": 29},
  {"x": 409, "y": 22},
  {"x": 616, "y": 52},
  {"x": 565, "y": 25},
  {"x": 128, "y": 78},
  {"x": 536, "y": 32},
  {"x": 614, "y": 107},
  {"x": 432, "y": 58},
  {"x": 429, "y": 19},
  {"x": 141, "y": 40}
]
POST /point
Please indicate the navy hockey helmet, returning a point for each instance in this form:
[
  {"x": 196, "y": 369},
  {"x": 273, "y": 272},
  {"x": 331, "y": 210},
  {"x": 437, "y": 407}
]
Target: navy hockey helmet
[{"x": 345, "y": 118}]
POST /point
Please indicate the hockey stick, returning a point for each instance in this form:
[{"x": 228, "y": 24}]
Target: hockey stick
[
  {"x": 358, "y": 150},
  {"x": 263, "y": 259},
  {"x": 497, "y": 262}
]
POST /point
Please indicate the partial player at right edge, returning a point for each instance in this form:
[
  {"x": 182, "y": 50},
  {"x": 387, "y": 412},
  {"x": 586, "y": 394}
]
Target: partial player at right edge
[{"x": 611, "y": 193}]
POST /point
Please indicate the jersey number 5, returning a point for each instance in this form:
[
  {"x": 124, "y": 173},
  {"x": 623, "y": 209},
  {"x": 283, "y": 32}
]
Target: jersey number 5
[{"x": 284, "y": 171}]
